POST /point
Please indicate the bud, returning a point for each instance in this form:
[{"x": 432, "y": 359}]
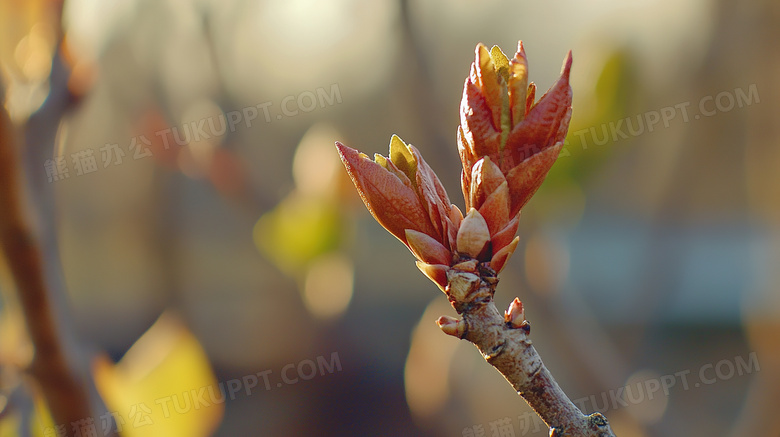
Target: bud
[
  {"x": 515, "y": 315},
  {"x": 500, "y": 120},
  {"x": 507, "y": 143},
  {"x": 406, "y": 197},
  {"x": 451, "y": 326},
  {"x": 387, "y": 192},
  {"x": 473, "y": 234}
]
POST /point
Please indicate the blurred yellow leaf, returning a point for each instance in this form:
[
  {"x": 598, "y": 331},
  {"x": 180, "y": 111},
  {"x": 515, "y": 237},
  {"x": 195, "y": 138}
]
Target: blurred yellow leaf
[
  {"x": 164, "y": 386},
  {"x": 9, "y": 425},
  {"x": 41, "y": 419}
]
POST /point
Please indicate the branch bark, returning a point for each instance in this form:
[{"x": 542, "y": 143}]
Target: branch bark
[{"x": 504, "y": 341}]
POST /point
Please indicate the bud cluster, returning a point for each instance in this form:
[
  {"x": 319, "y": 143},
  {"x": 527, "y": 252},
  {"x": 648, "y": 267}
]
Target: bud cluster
[{"x": 507, "y": 143}]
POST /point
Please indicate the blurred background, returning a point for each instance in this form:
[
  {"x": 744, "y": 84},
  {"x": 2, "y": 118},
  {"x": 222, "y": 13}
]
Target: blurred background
[{"x": 199, "y": 229}]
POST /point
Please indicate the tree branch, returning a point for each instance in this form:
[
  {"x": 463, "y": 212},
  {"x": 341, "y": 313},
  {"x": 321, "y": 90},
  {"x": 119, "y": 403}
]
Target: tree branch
[
  {"x": 503, "y": 340},
  {"x": 62, "y": 388}
]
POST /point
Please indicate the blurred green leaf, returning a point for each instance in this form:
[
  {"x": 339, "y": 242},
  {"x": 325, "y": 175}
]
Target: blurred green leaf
[
  {"x": 614, "y": 95},
  {"x": 300, "y": 229}
]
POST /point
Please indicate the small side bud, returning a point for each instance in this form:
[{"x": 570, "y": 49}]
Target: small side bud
[
  {"x": 515, "y": 315},
  {"x": 451, "y": 326}
]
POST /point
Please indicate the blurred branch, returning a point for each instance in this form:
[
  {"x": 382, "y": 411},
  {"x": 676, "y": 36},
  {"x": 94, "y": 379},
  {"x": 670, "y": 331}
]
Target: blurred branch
[
  {"x": 29, "y": 241},
  {"x": 61, "y": 386}
]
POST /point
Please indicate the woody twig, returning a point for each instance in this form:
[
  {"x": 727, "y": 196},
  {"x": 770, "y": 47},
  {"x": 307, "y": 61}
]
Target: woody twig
[{"x": 507, "y": 143}]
